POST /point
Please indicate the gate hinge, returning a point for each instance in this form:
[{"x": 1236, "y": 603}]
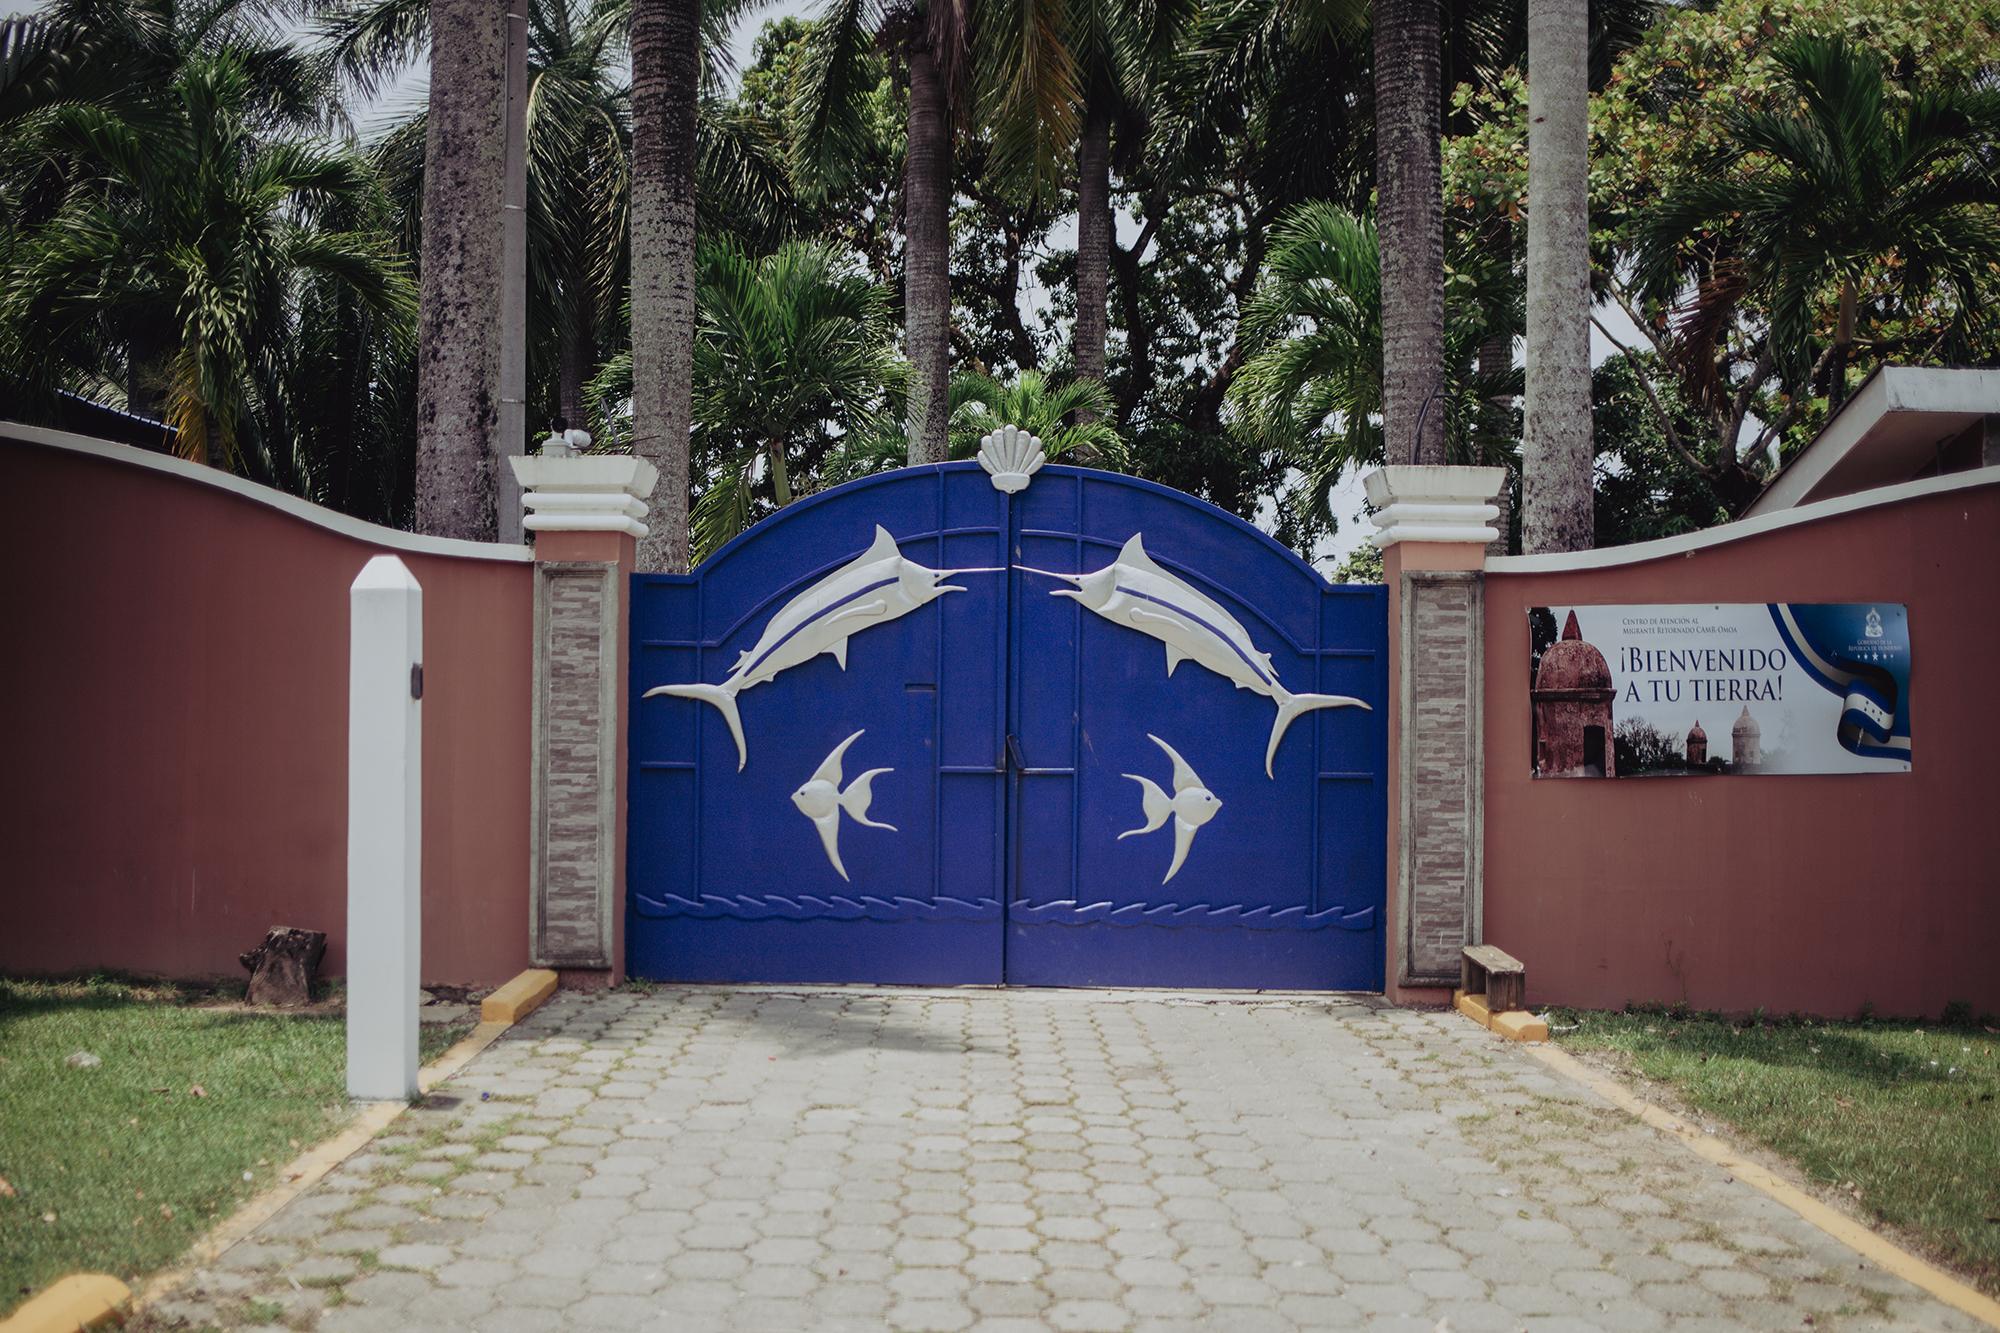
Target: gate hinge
[{"x": 1014, "y": 758}]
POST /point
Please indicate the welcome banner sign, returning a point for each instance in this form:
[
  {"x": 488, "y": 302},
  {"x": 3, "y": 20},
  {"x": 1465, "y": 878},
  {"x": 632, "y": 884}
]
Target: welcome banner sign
[{"x": 1778, "y": 687}]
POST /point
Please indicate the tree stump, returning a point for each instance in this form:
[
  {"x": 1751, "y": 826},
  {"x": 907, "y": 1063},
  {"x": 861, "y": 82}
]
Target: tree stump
[{"x": 282, "y": 967}]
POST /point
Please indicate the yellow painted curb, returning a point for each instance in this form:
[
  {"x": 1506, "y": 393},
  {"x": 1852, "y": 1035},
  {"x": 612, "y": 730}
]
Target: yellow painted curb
[
  {"x": 1520, "y": 1025},
  {"x": 519, "y": 997},
  {"x": 1514, "y": 1024},
  {"x": 1834, "y": 1223},
  {"x": 81, "y": 1300},
  {"x": 312, "y": 1166}
]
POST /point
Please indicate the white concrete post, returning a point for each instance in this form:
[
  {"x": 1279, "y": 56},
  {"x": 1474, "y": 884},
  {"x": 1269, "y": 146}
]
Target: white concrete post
[{"x": 384, "y": 830}]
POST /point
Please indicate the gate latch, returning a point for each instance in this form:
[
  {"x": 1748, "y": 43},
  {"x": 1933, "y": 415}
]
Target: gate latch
[{"x": 1014, "y": 758}]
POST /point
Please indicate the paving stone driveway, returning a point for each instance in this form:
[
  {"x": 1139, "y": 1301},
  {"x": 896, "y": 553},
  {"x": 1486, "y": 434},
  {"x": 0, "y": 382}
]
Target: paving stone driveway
[{"x": 771, "y": 1160}]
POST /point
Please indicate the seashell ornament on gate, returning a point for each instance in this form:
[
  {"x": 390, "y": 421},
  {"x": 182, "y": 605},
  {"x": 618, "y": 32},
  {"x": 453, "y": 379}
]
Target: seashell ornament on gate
[{"x": 1010, "y": 456}]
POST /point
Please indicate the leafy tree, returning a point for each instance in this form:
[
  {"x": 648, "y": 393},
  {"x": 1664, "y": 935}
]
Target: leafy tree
[
  {"x": 1659, "y": 124},
  {"x": 1069, "y": 418},
  {"x": 1311, "y": 388},
  {"x": 793, "y": 360},
  {"x": 1647, "y": 485},
  {"x": 1362, "y": 565},
  {"x": 932, "y": 40},
  {"x": 189, "y": 230},
  {"x": 1058, "y": 77},
  {"x": 1849, "y": 195}
]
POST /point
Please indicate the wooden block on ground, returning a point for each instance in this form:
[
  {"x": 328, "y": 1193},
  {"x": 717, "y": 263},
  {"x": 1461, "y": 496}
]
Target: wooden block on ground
[
  {"x": 519, "y": 997},
  {"x": 1495, "y": 973}
]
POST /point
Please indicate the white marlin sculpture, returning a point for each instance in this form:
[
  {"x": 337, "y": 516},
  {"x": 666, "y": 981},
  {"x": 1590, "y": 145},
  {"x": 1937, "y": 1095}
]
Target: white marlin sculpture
[
  {"x": 1135, "y": 592},
  {"x": 874, "y": 588},
  {"x": 821, "y": 800},
  {"x": 1191, "y": 805}
]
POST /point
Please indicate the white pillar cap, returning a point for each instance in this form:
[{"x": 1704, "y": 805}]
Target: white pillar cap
[
  {"x": 1434, "y": 504},
  {"x": 590, "y": 493}
]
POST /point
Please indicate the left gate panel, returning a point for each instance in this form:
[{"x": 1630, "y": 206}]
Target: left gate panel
[{"x": 782, "y": 869}]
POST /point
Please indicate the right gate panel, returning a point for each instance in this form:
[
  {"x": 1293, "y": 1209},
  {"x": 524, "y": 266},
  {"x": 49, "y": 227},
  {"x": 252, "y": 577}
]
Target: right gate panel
[{"x": 1156, "y": 645}]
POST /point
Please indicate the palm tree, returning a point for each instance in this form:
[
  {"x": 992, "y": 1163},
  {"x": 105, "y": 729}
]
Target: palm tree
[
  {"x": 933, "y": 38},
  {"x": 1844, "y": 203},
  {"x": 1409, "y": 185},
  {"x": 590, "y": 199},
  {"x": 459, "y": 333},
  {"x": 1312, "y": 387},
  {"x": 182, "y": 248},
  {"x": 1058, "y": 77},
  {"x": 1069, "y": 418},
  {"x": 1557, "y": 460},
  {"x": 666, "y": 90},
  {"x": 794, "y": 361}
]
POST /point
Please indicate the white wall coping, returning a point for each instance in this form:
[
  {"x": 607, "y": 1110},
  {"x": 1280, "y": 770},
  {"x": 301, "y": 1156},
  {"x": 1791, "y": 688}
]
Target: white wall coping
[
  {"x": 1723, "y": 534},
  {"x": 319, "y": 516}
]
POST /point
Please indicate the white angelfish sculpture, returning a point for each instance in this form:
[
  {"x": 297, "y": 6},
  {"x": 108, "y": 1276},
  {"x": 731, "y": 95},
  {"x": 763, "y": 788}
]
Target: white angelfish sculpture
[
  {"x": 874, "y": 588},
  {"x": 821, "y": 800},
  {"x": 1135, "y": 592},
  {"x": 1191, "y": 805},
  {"x": 1011, "y": 456}
]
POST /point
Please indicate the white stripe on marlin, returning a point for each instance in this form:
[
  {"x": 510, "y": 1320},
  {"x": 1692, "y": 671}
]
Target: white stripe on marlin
[
  {"x": 1137, "y": 593},
  {"x": 874, "y": 588}
]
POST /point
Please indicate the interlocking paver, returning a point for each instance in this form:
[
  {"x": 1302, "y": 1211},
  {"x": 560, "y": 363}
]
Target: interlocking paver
[{"x": 696, "y": 1159}]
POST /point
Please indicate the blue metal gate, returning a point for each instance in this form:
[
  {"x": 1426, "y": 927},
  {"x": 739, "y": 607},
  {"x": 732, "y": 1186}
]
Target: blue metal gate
[{"x": 1092, "y": 731}]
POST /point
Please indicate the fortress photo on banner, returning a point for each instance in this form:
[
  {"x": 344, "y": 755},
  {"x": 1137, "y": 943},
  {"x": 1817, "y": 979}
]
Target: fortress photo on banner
[{"x": 1658, "y": 691}]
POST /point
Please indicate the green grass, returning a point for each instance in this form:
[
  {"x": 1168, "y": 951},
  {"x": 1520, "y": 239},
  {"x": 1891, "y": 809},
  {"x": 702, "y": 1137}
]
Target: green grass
[
  {"x": 1903, "y": 1119},
  {"x": 128, "y": 1161}
]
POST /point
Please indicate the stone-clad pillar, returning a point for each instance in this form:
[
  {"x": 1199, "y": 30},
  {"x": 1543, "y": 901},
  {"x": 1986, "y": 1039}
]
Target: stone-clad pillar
[
  {"x": 585, "y": 514},
  {"x": 1434, "y": 525}
]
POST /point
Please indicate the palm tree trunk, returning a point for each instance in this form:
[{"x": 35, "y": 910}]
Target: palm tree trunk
[
  {"x": 1556, "y": 457},
  {"x": 665, "y": 45},
  {"x": 1093, "y": 243},
  {"x": 1843, "y": 342},
  {"x": 143, "y": 352},
  {"x": 575, "y": 351},
  {"x": 1408, "y": 174},
  {"x": 781, "y": 478},
  {"x": 1496, "y": 358},
  {"x": 926, "y": 253},
  {"x": 458, "y": 342}
]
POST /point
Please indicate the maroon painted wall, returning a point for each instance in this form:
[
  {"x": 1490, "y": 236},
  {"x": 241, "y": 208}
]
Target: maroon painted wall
[
  {"x": 1807, "y": 893},
  {"x": 176, "y": 678}
]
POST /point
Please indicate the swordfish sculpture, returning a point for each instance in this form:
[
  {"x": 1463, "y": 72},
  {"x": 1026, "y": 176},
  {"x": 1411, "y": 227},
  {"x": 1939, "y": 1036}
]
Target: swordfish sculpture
[
  {"x": 874, "y": 588},
  {"x": 1137, "y": 593}
]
